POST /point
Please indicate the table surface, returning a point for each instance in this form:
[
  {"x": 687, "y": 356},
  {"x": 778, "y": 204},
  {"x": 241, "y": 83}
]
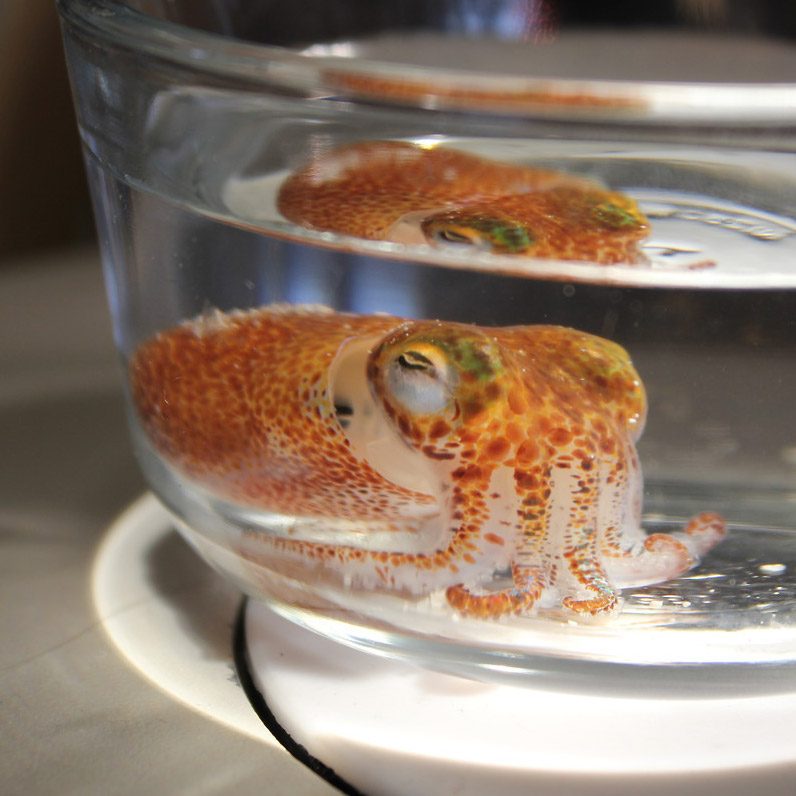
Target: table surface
[{"x": 76, "y": 717}]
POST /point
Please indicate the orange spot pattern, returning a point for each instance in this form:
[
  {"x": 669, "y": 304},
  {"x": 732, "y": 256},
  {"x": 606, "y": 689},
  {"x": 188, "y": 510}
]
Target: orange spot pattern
[{"x": 239, "y": 403}]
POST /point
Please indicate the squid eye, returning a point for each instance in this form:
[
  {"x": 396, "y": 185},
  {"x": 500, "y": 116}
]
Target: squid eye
[
  {"x": 414, "y": 360},
  {"x": 419, "y": 384},
  {"x": 444, "y": 235}
]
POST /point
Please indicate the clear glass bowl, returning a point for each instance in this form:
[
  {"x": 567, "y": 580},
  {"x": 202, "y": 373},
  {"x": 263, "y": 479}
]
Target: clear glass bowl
[{"x": 368, "y": 267}]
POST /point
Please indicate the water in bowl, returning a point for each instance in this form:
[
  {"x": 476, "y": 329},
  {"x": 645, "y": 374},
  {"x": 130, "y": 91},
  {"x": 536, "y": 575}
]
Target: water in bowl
[{"x": 708, "y": 321}]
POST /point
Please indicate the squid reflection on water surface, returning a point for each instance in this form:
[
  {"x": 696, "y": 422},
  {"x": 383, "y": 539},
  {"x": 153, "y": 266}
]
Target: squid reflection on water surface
[
  {"x": 401, "y": 192},
  {"x": 502, "y": 460}
]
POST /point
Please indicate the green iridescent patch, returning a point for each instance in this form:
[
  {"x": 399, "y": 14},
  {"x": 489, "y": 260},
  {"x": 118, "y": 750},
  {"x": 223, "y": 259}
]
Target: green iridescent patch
[
  {"x": 511, "y": 239},
  {"x": 615, "y": 217},
  {"x": 473, "y": 359}
]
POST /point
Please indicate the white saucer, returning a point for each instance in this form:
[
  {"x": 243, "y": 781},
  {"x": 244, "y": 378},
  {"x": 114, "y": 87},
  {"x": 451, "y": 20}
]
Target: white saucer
[
  {"x": 171, "y": 616},
  {"x": 386, "y": 727}
]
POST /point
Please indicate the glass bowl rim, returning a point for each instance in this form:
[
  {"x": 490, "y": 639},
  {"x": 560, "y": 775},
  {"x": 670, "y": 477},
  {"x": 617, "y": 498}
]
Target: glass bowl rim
[{"x": 324, "y": 77}]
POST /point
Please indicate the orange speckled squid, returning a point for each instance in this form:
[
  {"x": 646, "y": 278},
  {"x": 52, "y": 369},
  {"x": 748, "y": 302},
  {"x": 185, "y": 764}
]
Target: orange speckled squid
[
  {"x": 503, "y": 458},
  {"x": 402, "y": 192}
]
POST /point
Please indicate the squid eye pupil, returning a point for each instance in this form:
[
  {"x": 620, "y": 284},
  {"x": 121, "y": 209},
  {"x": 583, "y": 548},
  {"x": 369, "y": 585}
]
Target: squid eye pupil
[
  {"x": 414, "y": 360},
  {"x": 451, "y": 236}
]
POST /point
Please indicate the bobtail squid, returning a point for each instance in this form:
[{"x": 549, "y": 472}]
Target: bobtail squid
[
  {"x": 502, "y": 460},
  {"x": 439, "y": 196}
]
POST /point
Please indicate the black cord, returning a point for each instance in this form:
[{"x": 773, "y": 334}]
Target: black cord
[{"x": 260, "y": 705}]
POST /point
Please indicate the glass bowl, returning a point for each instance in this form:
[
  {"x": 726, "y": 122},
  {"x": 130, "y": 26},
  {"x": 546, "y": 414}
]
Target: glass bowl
[{"x": 398, "y": 286}]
